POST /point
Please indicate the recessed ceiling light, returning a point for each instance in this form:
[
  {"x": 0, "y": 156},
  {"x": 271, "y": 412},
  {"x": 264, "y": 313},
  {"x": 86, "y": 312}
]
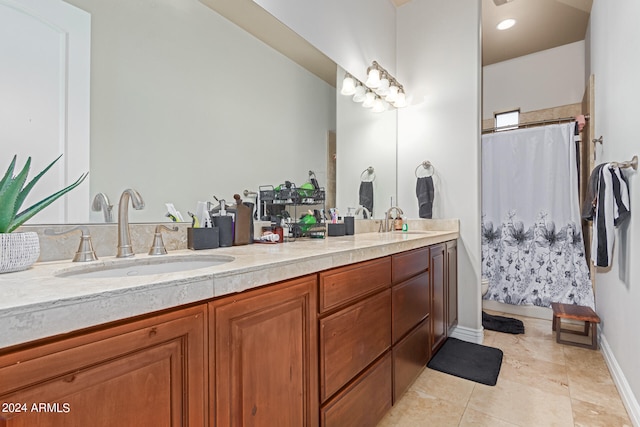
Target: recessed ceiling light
[{"x": 506, "y": 24}]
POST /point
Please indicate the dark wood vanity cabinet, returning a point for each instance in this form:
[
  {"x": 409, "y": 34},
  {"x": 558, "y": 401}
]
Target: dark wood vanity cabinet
[
  {"x": 334, "y": 348},
  {"x": 263, "y": 356},
  {"x": 444, "y": 291},
  {"x": 355, "y": 341},
  {"x": 145, "y": 372},
  {"x": 411, "y": 317}
]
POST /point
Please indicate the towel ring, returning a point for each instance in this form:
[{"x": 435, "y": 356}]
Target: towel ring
[
  {"x": 370, "y": 172},
  {"x": 428, "y": 167}
]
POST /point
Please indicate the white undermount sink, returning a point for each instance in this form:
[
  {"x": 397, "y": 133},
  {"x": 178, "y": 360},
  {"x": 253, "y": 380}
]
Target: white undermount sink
[{"x": 144, "y": 267}]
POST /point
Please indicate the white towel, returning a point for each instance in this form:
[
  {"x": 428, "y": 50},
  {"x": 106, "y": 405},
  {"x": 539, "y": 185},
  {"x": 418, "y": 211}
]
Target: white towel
[{"x": 612, "y": 209}]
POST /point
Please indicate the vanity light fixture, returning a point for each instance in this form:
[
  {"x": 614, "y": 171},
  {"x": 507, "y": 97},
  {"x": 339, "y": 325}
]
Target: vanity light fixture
[{"x": 379, "y": 92}]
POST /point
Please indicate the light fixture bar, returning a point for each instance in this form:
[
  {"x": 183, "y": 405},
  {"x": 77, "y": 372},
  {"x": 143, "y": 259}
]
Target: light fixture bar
[{"x": 380, "y": 86}]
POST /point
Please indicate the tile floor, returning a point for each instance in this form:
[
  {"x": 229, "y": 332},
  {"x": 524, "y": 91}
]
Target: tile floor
[{"x": 541, "y": 383}]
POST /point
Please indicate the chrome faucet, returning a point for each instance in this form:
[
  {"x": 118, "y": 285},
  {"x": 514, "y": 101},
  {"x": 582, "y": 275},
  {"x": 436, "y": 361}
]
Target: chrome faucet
[
  {"x": 124, "y": 236},
  {"x": 388, "y": 215},
  {"x": 101, "y": 203}
]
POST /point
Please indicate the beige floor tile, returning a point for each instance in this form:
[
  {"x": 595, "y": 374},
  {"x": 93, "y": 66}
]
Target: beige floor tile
[
  {"x": 587, "y": 414},
  {"x": 541, "y": 383},
  {"x": 594, "y": 386},
  {"x": 546, "y": 376},
  {"x": 473, "y": 418},
  {"x": 522, "y": 405},
  {"x": 443, "y": 386},
  {"x": 531, "y": 347},
  {"x": 417, "y": 410}
]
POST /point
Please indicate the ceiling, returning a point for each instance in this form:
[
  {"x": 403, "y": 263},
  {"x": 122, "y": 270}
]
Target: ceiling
[{"x": 541, "y": 25}]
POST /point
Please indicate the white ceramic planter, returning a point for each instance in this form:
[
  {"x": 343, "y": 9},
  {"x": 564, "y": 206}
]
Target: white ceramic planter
[{"x": 18, "y": 251}]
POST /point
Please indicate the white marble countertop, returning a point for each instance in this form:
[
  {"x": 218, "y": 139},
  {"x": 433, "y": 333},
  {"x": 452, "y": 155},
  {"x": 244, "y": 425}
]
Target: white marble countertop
[{"x": 42, "y": 302}]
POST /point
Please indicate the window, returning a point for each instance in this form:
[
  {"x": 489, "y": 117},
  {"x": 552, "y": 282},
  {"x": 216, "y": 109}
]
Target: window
[{"x": 507, "y": 120}]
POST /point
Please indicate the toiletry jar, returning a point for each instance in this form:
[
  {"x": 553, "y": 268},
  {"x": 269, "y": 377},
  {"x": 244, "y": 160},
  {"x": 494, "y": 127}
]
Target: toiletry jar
[
  {"x": 203, "y": 238},
  {"x": 338, "y": 229}
]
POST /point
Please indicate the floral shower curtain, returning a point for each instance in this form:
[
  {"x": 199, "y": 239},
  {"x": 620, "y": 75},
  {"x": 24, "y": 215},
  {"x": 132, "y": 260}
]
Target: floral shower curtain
[{"x": 532, "y": 247}]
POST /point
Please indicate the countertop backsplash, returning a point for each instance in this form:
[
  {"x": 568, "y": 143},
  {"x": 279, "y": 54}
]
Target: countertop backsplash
[{"x": 105, "y": 236}]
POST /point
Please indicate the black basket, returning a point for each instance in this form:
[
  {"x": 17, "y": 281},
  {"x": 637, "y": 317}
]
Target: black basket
[{"x": 267, "y": 193}]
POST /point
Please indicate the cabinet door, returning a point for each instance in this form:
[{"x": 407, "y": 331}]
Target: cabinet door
[
  {"x": 438, "y": 296},
  {"x": 149, "y": 372},
  {"x": 410, "y": 357},
  {"x": 265, "y": 356},
  {"x": 452, "y": 284}
]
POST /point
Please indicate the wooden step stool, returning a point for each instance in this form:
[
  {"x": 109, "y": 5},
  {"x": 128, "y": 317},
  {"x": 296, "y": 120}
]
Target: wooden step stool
[{"x": 575, "y": 312}]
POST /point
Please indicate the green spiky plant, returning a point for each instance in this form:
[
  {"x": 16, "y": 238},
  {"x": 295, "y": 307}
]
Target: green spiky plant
[{"x": 13, "y": 192}]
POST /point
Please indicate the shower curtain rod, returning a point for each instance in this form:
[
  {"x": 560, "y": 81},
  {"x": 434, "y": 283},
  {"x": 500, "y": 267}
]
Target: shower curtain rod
[{"x": 531, "y": 124}]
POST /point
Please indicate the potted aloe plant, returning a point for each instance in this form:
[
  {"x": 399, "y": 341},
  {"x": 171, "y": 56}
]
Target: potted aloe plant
[{"x": 18, "y": 251}]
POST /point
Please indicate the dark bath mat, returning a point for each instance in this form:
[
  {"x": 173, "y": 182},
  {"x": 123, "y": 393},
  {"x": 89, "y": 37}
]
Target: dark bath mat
[
  {"x": 467, "y": 360},
  {"x": 502, "y": 324}
]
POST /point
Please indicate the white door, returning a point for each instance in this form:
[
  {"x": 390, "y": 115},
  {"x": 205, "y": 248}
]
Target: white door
[{"x": 44, "y": 99}]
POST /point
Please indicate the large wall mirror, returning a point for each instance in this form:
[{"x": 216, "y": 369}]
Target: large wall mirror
[{"x": 185, "y": 106}]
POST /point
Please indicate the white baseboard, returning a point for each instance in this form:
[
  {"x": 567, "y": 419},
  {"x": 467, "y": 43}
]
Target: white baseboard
[
  {"x": 628, "y": 398},
  {"x": 467, "y": 334}
]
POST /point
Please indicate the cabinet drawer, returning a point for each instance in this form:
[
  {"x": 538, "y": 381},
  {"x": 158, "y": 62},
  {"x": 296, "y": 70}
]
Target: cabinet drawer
[
  {"x": 410, "y": 356},
  {"x": 363, "y": 403},
  {"x": 409, "y": 264},
  {"x": 410, "y": 304},
  {"x": 341, "y": 285},
  {"x": 351, "y": 339}
]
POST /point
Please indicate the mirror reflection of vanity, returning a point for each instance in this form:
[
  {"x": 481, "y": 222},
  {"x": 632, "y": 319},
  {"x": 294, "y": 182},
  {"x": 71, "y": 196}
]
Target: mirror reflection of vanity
[{"x": 186, "y": 105}]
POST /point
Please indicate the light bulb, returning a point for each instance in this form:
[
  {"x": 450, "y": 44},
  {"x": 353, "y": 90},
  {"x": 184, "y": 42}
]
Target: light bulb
[
  {"x": 348, "y": 85},
  {"x": 373, "y": 80},
  {"x": 378, "y": 105},
  {"x": 401, "y": 100},
  {"x": 369, "y": 98},
  {"x": 392, "y": 94},
  {"x": 358, "y": 96},
  {"x": 383, "y": 88}
]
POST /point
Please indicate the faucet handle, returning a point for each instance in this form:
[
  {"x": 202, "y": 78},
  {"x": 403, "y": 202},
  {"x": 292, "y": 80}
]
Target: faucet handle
[
  {"x": 157, "y": 247},
  {"x": 85, "y": 252}
]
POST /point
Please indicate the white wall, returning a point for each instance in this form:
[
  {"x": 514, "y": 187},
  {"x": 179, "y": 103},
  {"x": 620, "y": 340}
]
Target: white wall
[
  {"x": 365, "y": 139},
  {"x": 352, "y": 33},
  {"x": 442, "y": 126},
  {"x": 614, "y": 35},
  {"x": 185, "y": 105},
  {"x": 546, "y": 79}
]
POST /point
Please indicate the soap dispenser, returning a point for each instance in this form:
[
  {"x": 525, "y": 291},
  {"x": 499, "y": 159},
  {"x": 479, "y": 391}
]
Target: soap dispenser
[{"x": 242, "y": 228}]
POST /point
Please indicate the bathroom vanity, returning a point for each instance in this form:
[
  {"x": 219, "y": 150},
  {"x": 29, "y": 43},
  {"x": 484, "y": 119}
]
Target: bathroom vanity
[{"x": 324, "y": 332}]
